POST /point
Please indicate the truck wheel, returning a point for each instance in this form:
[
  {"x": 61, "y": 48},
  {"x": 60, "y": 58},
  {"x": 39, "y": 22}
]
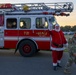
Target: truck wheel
[{"x": 27, "y": 48}]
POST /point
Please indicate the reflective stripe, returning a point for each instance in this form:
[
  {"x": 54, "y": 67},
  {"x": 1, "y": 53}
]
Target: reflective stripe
[
  {"x": 34, "y": 38},
  {"x": 10, "y": 38}
]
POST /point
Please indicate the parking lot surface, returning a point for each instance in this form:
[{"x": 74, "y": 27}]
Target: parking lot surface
[{"x": 39, "y": 64}]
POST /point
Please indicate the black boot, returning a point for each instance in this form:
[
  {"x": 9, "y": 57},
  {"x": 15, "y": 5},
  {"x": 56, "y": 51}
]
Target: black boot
[
  {"x": 58, "y": 65},
  {"x": 55, "y": 68}
]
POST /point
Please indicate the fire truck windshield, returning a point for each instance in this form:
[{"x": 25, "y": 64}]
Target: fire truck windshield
[{"x": 52, "y": 20}]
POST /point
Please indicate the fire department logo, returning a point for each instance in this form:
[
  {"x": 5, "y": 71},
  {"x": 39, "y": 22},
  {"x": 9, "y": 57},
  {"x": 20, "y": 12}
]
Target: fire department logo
[
  {"x": 41, "y": 33},
  {"x": 26, "y": 33}
]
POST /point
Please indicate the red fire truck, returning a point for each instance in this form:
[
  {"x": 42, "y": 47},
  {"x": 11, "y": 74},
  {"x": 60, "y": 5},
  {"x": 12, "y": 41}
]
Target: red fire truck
[{"x": 25, "y": 27}]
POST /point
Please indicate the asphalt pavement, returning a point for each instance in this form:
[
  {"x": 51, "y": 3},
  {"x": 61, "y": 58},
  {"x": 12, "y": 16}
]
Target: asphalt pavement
[{"x": 39, "y": 64}]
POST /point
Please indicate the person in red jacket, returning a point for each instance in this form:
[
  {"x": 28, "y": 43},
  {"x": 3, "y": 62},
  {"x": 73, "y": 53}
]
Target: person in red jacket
[{"x": 57, "y": 45}]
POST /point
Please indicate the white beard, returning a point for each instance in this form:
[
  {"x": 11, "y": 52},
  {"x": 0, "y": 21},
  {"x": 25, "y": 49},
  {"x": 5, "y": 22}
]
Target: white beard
[{"x": 57, "y": 29}]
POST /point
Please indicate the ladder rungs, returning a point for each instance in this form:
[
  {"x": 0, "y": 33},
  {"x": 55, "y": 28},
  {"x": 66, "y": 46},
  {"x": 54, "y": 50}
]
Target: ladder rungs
[{"x": 52, "y": 7}]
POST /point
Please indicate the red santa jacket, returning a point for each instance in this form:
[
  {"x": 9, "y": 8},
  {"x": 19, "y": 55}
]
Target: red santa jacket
[{"x": 58, "y": 39}]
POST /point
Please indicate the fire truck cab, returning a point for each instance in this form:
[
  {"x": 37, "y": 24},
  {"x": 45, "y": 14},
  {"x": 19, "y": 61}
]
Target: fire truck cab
[{"x": 25, "y": 27}]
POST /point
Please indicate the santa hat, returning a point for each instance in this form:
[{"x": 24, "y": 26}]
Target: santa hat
[
  {"x": 57, "y": 29},
  {"x": 57, "y": 25}
]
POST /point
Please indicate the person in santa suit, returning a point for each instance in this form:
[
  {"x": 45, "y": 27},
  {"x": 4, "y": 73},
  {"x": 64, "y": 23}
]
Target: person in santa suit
[{"x": 57, "y": 45}]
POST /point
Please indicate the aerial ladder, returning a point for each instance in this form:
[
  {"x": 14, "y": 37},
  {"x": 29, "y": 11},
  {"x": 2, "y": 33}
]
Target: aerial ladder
[{"x": 58, "y": 8}]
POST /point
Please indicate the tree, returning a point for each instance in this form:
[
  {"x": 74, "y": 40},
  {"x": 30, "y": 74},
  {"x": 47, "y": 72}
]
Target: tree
[
  {"x": 73, "y": 28},
  {"x": 66, "y": 28}
]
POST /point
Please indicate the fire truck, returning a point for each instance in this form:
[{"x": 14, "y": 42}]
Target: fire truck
[{"x": 25, "y": 26}]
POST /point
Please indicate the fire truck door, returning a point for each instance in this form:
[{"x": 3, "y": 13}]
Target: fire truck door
[
  {"x": 11, "y": 31},
  {"x": 1, "y": 37},
  {"x": 42, "y": 33}
]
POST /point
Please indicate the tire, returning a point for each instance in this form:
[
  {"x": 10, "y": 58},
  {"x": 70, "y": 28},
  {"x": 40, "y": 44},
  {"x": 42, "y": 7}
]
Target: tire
[{"x": 27, "y": 48}]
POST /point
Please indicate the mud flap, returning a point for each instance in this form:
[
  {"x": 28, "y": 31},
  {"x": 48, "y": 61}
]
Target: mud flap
[{"x": 16, "y": 50}]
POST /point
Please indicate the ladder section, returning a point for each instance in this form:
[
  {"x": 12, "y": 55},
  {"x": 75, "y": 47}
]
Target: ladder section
[
  {"x": 37, "y": 8},
  {"x": 31, "y": 6},
  {"x": 61, "y": 6},
  {"x": 52, "y": 7}
]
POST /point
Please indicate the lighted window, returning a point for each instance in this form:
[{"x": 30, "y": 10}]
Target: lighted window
[
  {"x": 41, "y": 22},
  {"x": 25, "y": 23}
]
